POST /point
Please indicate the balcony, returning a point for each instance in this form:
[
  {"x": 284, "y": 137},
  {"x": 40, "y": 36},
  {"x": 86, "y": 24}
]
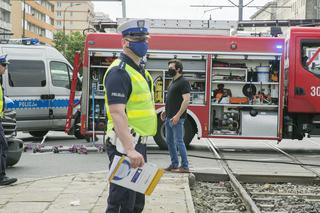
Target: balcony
[
  {"x": 5, "y": 25},
  {"x": 5, "y": 6}
]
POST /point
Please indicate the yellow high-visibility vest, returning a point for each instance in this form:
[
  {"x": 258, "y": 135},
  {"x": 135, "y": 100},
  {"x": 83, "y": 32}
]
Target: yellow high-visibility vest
[{"x": 140, "y": 106}]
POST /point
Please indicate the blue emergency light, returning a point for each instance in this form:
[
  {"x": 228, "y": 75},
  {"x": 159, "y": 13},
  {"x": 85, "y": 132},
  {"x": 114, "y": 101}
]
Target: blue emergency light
[
  {"x": 30, "y": 41},
  {"x": 25, "y": 41},
  {"x": 279, "y": 46}
]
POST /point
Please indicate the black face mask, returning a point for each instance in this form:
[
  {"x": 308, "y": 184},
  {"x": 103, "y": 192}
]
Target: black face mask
[{"x": 171, "y": 72}]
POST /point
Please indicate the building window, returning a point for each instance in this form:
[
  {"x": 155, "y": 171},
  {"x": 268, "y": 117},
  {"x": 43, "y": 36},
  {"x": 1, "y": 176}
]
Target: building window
[
  {"x": 71, "y": 13},
  {"x": 59, "y": 4},
  {"x": 59, "y": 13},
  {"x": 59, "y": 23},
  {"x": 4, "y": 15}
]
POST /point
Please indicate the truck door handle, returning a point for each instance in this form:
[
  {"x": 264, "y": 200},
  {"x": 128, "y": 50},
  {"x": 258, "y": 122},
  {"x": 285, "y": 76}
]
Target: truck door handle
[
  {"x": 299, "y": 91},
  {"x": 47, "y": 96}
]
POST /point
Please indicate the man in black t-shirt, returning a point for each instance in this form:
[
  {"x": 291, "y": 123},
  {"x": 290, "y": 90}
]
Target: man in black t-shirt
[{"x": 177, "y": 101}]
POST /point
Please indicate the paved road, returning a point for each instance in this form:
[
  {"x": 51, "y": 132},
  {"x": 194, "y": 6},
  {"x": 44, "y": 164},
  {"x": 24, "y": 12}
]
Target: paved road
[
  {"x": 34, "y": 165},
  {"x": 49, "y": 164}
]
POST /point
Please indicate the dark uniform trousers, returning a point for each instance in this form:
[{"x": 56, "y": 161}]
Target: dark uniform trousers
[
  {"x": 3, "y": 152},
  {"x": 123, "y": 200}
]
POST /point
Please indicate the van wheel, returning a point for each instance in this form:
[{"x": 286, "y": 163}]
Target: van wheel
[
  {"x": 160, "y": 137},
  {"x": 38, "y": 134}
]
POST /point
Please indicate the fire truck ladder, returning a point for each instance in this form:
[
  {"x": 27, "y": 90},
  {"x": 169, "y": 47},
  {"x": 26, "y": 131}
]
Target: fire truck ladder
[
  {"x": 280, "y": 23},
  {"x": 77, "y": 64}
]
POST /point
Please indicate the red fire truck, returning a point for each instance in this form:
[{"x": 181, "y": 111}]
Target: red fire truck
[{"x": 242, "y": 87}]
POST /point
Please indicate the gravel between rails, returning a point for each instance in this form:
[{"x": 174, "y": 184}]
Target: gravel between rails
[{"x": 277, "y": 198}]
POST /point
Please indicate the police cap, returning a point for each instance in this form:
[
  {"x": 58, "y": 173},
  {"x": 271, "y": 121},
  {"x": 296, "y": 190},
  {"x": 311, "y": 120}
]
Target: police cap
[
  {"x": 134, "y": 27},
  {"x": 3, "y": 59}
]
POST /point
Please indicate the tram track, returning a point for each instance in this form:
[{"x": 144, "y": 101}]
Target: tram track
[
  {"x": 236, "y": 185},
  {"x": 294, "y": 159},
  {"x": 234, "y": 196}
]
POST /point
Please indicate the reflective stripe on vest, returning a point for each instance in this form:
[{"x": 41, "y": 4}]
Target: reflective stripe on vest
[{"x": 140, "y": 106}]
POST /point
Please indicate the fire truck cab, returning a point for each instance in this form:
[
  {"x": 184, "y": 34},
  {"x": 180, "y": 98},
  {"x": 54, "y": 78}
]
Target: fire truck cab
[
  {"x": 302, "y": 81},
  {"x": 242, "y": 87}
]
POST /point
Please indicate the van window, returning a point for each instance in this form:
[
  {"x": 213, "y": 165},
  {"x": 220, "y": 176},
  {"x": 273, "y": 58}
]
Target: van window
[
  {"x": 60, "y": 74},
  {"x": 26, "y": 73}
]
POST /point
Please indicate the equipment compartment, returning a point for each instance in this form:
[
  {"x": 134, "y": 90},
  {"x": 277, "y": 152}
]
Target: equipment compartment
[
  {"x": 194, "y": 70},
  {"x": 241, "y": 85},
  {"x": 99, "y": 61}
]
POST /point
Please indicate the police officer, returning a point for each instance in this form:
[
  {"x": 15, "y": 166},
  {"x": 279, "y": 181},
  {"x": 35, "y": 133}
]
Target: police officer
[
  {"x": 130, "y": 110},
  {"x": 4, "y": 180}
]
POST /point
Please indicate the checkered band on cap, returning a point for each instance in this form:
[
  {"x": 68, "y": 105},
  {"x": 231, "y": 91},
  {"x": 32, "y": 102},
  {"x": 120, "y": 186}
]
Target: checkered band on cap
[{"x": 132, "y": 27}]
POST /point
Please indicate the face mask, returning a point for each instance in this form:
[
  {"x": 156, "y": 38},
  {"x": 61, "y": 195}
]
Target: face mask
[
  {"x": 171, "y": 72},
  {"x": 139, "y": 48}
]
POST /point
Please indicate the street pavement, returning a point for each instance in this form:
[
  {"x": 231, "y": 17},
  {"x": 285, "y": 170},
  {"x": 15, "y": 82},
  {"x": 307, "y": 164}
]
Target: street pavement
[
  {"x": 71, "y": 182},
  {"x": 87, "y": 192},
  {"x": 68, "y": 182}
]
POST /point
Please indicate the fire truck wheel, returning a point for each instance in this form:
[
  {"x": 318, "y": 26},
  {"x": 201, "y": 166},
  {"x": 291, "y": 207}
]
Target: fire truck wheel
[
  {"x": 78, "y": 134},
  {"x": 38, "y": 134},
  {"x": 160, "y": 137}
]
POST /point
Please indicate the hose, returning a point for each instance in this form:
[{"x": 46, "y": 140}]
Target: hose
[{"x": 243, "y": 160}]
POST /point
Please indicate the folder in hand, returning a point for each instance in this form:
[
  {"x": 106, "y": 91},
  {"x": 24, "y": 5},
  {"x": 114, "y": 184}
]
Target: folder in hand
[{"x": 142, "y": 179}]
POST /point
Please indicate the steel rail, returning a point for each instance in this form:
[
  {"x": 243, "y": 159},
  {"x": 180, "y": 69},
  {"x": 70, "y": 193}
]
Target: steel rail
[
  {"x": 236, "y": 185},
  {"x": 294, "y": 159}
]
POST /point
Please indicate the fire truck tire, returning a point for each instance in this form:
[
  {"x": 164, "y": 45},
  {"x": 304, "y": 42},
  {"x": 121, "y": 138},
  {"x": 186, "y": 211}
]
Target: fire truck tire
[
  {"x": 160, "y": 140},
  {"x": 78, "y": 134},
  {"x": 38, "y": 134}
]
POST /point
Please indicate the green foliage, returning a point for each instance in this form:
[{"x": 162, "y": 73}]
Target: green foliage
[{"x": 68, "y": 44}]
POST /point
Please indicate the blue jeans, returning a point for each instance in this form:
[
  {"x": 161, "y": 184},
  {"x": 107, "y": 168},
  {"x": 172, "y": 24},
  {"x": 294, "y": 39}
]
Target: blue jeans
[{"x": 174, "y": 140}]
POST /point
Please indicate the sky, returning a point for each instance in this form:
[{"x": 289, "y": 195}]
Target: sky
[{"x": 176, "y": 9}]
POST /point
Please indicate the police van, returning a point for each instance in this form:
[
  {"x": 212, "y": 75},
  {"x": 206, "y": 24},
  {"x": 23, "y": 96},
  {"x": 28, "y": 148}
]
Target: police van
[{"x": 38, "y": 80}]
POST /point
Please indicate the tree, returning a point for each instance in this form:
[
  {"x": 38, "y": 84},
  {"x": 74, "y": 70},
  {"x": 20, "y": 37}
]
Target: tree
[{"x": 69, "y": 44}]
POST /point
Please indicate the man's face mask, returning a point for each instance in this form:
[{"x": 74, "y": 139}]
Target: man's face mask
[
  {"x": 138, "y": 45},
  {"x": 171, "y": 72}
]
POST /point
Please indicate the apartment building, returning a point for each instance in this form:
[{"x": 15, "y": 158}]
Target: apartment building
[
  {"x": 5, "y": 22},
  {"x": 287, "y": 9},
  {"x": 33, "y": 18},
  {"x": 72, "y": 16}
]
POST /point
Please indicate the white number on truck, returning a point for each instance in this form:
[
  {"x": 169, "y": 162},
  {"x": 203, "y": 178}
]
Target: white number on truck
[{"x": 315, "y": 91}]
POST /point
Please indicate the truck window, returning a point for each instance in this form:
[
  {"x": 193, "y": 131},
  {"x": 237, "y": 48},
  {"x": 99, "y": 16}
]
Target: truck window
[
  {"x": 26, "y": 73},
  {"x": 60, "y": 74},
  {"x": 310, "y": 56}
]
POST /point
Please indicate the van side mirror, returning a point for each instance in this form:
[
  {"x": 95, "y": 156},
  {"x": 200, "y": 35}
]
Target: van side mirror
[{"x": 43, "y": 83}]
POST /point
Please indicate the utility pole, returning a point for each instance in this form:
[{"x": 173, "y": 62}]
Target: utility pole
[
  {"x": 24, "y": 20},
  {"x": 240, "y": 10},
  {"x": 124, "y": 12},
  {"x": 240, "y": 7}
]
